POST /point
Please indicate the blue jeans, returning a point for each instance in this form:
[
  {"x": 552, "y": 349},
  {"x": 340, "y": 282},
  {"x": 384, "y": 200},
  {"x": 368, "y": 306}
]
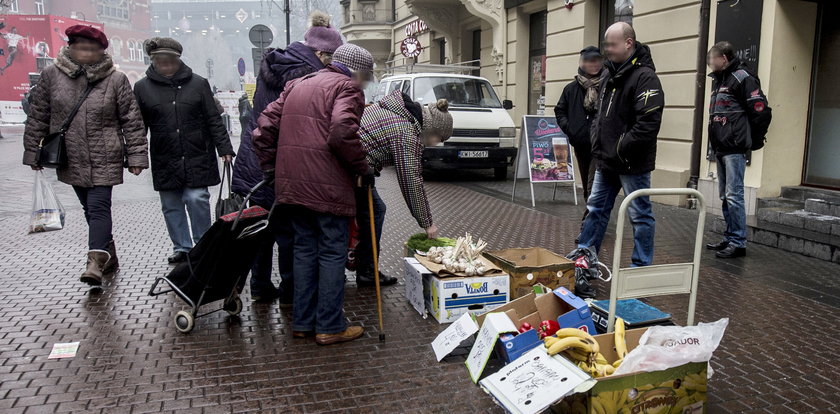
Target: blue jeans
[
  {"x": 175, "y": 205},
  {"x": 364, "y": 254},
  {"x": 320, "y": 254},
  {"x": 284, "y": 234},
  {"x": 731, "y": 170},
  {"x": 600, "y": 204}
]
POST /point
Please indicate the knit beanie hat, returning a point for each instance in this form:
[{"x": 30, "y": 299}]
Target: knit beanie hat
[
  {"x": 162, "y": 45},
  {"x": 321, "y": 35},
  {"x": 437, "y": 119},
  {"x": 356, "y": 58}
]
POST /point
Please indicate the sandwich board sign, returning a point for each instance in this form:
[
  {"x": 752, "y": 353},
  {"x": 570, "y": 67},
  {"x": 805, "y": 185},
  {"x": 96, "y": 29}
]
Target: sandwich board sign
[{"x": 548, "y": 154}]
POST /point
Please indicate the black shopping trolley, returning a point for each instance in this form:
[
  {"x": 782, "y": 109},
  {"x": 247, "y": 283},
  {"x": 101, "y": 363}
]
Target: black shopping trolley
[{"x": 216, "y": 268}]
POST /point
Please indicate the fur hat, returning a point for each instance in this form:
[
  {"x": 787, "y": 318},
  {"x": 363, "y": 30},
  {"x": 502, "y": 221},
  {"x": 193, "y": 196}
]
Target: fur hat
[
  {"x": 355, "y": 57},
  {"x": 321, "y": 35},
  {"x": 437, "y": 119},
  {"x": 86, "y": 32},
  {"x": 162, "y": 45}
]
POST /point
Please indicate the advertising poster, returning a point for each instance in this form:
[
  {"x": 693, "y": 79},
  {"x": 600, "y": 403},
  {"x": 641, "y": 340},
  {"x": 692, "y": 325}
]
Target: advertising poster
[
  {"x": 28, "y": 43},
  {"x": 549, "y": 152}
]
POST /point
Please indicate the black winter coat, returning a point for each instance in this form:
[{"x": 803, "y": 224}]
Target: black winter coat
[
  {"x": 572, "y": 118},
  {"x": 186, "y": 129},
  {"x": 738, "y": 110},
  {"x": 629, "y": 115}
]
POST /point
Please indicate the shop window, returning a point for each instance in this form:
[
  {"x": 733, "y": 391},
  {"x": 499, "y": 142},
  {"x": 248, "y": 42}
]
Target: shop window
[
  {"x": 536, "y": 63},
  {"x": 441, "y": 44},
  {"x": 823, "y": 151},
  {"x": 613, "y": 11}
]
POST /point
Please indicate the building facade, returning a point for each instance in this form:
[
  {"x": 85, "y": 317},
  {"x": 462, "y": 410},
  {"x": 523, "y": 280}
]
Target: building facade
[{"x": 529, "y": 49}]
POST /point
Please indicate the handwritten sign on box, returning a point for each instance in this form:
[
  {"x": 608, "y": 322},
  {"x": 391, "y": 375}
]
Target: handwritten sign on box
[
  {"x": 535, "y": 381},
  {"x": 452, "y": 336},
  {"x": 494, "y": 324}
]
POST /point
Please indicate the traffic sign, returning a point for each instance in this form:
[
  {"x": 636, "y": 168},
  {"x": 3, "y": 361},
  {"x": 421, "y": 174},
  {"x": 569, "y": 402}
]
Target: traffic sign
[
  {"x": 260, "y": 36},
  {"x": 241, "y": 66}
]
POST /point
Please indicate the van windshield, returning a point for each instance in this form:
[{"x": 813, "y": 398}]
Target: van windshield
[{"x": 465, "y": 92}]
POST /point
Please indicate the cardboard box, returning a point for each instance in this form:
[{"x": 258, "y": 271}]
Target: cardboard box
[
  {"x": 535, "y": 265},
  {"x": 561, "y": 305},
  {"x": 675, "y": 390},
  {"x": 446, "y": 299}
]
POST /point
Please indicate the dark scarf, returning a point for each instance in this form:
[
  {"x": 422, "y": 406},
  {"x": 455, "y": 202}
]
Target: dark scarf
[{"x": 590, "y": 85}]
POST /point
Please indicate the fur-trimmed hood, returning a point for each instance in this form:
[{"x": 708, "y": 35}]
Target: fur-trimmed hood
[{"x": 95, "y": 72}]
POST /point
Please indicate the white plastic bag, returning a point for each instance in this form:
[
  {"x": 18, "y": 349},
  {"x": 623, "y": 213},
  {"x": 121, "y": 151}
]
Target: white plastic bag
[
  {"x": 663, "y": 347},
  {"x": 47, "y": 211}
]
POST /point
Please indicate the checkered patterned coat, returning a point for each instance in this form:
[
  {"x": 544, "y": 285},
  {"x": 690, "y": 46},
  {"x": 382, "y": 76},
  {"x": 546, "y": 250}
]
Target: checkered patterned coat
[{"x": 391, "y": 137}]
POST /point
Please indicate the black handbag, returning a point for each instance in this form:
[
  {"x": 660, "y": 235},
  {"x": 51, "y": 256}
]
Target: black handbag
[
  {"x": 52, "y": 150},
  {"x": 233, "y": 202}
]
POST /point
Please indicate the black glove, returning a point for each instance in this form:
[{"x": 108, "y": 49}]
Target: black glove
[{"x": 368, "y": 179}]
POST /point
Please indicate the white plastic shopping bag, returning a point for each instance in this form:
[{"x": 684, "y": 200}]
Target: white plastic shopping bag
[
  {"x": 47, "y": 211},
  {"x": 663, "y": 347}
]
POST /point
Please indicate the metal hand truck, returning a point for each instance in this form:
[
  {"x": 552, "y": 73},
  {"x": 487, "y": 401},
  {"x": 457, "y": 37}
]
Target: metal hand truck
[{"x": 657, "y": 280}]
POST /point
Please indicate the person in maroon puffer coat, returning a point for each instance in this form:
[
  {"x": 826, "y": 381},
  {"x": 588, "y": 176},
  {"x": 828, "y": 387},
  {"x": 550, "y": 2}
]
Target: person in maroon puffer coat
[{"x": 308, "y": 141}]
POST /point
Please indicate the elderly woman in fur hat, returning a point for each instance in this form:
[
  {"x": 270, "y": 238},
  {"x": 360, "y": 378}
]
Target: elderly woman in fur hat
[
  {"x": 104, "y": 137},
  {"x": 187, "y": 132},
  {"x": 394, "y": 132}
]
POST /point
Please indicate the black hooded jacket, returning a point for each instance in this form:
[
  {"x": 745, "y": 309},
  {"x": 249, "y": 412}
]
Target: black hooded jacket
[
  {"x": 186, "y": 129},
  {"x": 629, "y": 115},
  {"x": 739, "y": 115},
  {"x": 277, "y": 67}
]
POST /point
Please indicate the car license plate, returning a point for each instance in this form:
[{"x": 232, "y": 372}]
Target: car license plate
[{"x": 473, "y": 154}]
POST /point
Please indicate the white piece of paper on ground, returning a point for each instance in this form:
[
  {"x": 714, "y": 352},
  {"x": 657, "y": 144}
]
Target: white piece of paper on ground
[
  {"x": 535, "y": 381},
  {"x": 65, "y": 350},
  {"x": 452, "y": 336},
  {"x": 494, "y": 324}
]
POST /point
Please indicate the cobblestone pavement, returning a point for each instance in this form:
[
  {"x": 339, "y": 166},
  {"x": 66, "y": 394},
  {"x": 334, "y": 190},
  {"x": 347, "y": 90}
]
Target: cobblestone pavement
[{"x": 777, "y": 355}]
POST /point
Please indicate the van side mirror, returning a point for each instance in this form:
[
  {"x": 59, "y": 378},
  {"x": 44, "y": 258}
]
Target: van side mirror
[{"x": 507, "y": 104}]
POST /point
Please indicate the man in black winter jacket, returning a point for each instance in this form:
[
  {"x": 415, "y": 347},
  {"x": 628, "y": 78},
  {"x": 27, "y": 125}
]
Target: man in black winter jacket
[
  {"x": 624, "y": 140},
  {"x": 576, "y": 109},
  {"x": 186, "y": 134},
  {"x": 738, "y": 116}
]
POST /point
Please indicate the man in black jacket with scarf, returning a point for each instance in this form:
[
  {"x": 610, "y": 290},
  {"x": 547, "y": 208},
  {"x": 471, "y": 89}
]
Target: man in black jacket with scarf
[
  {"x": 186, "y": 134},
  {"x": 576, "y": 109},
  {"x": 624, "y": 143}
]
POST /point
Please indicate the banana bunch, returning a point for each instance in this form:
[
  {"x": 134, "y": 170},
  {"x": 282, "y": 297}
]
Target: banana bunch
[
  {"x": 620, "y": 342},
  {"x": 580, "y": 347},
  {"x": 612, "y": 402}
]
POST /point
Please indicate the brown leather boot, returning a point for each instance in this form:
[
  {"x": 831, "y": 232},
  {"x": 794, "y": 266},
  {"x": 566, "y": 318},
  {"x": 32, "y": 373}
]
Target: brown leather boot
[
  {"x": 349, "y": 334},
  {"x": 113, "y": 263},
  {"x": 95, "y": 262}
]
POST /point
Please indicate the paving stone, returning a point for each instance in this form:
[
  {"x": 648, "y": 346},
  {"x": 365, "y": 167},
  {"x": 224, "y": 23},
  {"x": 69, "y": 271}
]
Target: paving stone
[{"x": 131, "y": 359}]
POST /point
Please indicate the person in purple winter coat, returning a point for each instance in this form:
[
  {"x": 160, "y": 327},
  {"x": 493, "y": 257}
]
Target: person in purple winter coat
[{"x": 278, "y": 67}]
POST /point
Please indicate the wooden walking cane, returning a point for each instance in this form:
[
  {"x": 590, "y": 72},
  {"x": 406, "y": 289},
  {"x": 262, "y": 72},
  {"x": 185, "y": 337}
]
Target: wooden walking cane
[{"x": 374, "y": 250}]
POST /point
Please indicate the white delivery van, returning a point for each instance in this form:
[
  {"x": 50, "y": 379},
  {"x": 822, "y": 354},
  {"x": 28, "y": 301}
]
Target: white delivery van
[{"x": 483, "y": 136}]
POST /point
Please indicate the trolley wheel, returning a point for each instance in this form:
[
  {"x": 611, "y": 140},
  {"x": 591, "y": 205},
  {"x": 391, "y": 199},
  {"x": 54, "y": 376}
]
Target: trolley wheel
[
  {"x": 184, "y": 321},
  {"x": 234, "y": 306}
]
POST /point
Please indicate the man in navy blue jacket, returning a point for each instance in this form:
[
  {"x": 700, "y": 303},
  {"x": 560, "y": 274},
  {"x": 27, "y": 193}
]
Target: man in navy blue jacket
[{"x": 276, "y": 69}]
